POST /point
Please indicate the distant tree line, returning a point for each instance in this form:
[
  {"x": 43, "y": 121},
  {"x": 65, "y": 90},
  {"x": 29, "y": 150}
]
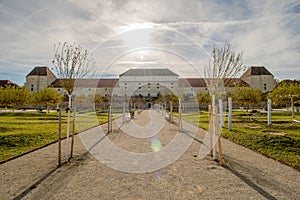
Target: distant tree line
[{"x": 19, "y": 97}]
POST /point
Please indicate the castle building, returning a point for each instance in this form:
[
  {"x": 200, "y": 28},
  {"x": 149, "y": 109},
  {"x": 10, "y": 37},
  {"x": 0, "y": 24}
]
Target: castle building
[{"x": 148, "y": 82}]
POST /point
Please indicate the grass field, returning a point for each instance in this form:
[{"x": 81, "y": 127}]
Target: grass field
[
  {"x": 280, "y": 141},
  {"x": 21, "y": 132}
]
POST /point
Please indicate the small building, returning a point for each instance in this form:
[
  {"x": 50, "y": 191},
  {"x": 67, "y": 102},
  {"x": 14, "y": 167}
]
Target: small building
[
  {"x": 39, "y": 78},
  {"x": 5, "y": 83},
  {"x": 259, "y": 77}
]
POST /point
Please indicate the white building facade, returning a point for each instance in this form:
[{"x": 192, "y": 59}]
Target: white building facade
[{"x": 147, "y": 82}]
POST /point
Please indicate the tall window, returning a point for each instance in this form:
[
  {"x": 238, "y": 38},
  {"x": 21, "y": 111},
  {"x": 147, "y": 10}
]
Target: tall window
[
  {"x": 265, "y": 87},
  {"x": 32, "y": 88}
]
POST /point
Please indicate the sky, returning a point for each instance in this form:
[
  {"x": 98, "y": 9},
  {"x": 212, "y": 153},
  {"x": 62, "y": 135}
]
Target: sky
[{"x": 175, "y": 34}]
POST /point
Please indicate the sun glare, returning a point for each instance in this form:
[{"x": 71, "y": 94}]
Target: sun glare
[{"x": 136, "y": 35}]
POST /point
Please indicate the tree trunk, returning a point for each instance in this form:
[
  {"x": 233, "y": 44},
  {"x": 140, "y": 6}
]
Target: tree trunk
[{"x": 68, "y": 127}]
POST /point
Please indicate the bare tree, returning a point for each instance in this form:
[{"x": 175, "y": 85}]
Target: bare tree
[
  {"x": 225, "y": 63},
  {"x": 71, "y": 62}
]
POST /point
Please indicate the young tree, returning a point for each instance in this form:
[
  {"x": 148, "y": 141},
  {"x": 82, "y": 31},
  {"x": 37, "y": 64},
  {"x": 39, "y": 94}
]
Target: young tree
[
  {"x": 286, "y": 92},
  {"x": 5, "y": 98},
  {"x": 48, "y": 97},
  {"x": 71, "y": 62},
  {"x": 13, "y": 96},
  {"x": 98, "y": 98},
  {"x": 203, "y": 98},
  {"x": 224, "y": 63},
  {"x": 246, "y": 96}
]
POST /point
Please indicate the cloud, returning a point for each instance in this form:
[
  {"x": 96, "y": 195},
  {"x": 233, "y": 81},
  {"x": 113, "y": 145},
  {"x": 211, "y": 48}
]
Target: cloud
[{"x": 267, "y": 31}]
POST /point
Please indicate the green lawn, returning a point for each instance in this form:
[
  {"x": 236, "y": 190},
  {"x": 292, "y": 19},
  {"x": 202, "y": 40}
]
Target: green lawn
[
  {"x": 251, "y": 130},
  {"x": 23, "y": 132}
]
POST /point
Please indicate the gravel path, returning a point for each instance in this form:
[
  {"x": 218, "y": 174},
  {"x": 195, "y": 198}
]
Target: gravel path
[{"x": 245, "y": 175}]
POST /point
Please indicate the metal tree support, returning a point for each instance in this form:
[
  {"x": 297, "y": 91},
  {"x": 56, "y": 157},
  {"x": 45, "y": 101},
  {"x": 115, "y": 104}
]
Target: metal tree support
[
  {"x": 171, "y": 112},
  {"x": 68, "y": 128},
  {"x": 73, "y": 132},
  {"x": 59, "y": 136},
  {"x": 219, "y": 138},
  {"x": 214, "y": 126},
  {"x": 221, "y": 113},
  {"x": 180, "y": 116},
  {"x": 210, "y": 130},
  {"x": 230, "y": 113},
  {"x": 124, "y": 112},
  {"x": 109, "y": 130},
  {"x": 269, "y": 112}
]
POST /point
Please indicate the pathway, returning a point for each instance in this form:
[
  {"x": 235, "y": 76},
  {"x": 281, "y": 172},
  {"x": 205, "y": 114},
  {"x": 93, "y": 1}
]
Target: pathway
[{"x": 246, "y": 174}]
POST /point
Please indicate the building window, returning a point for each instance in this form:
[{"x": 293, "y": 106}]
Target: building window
[
  {"x": 265, "y": 87},
  {"x": 139, "y": 83},
  {"x": 157, "y": 87},
  {"x": 157, "y": 84},
  {"x": 148, "y": 83},
  {"x": 125, "y": 83},
  {"x": 125, "y": 88},
  {"x": 89, "y": 89},
  {"x": 140, "y": 88},
  {"x": 58, "y": 89},
  {"x": 172, "y": 83},
  {"x": 32, "y": 88},
  {"x": 105, "y": 89},
  {"x": 149, "y": 94}
]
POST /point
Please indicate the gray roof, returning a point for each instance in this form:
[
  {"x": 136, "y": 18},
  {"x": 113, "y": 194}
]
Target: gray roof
[
  {"x": 41, "y": 71},
  {"x": 148, "y": 72},
  {"x": 256, "y": 70}
]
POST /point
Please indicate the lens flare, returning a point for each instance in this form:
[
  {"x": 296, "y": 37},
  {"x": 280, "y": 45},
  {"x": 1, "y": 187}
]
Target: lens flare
[
  {"x": 159, "y": 176},
  {"x": 156, "y": 145}
]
